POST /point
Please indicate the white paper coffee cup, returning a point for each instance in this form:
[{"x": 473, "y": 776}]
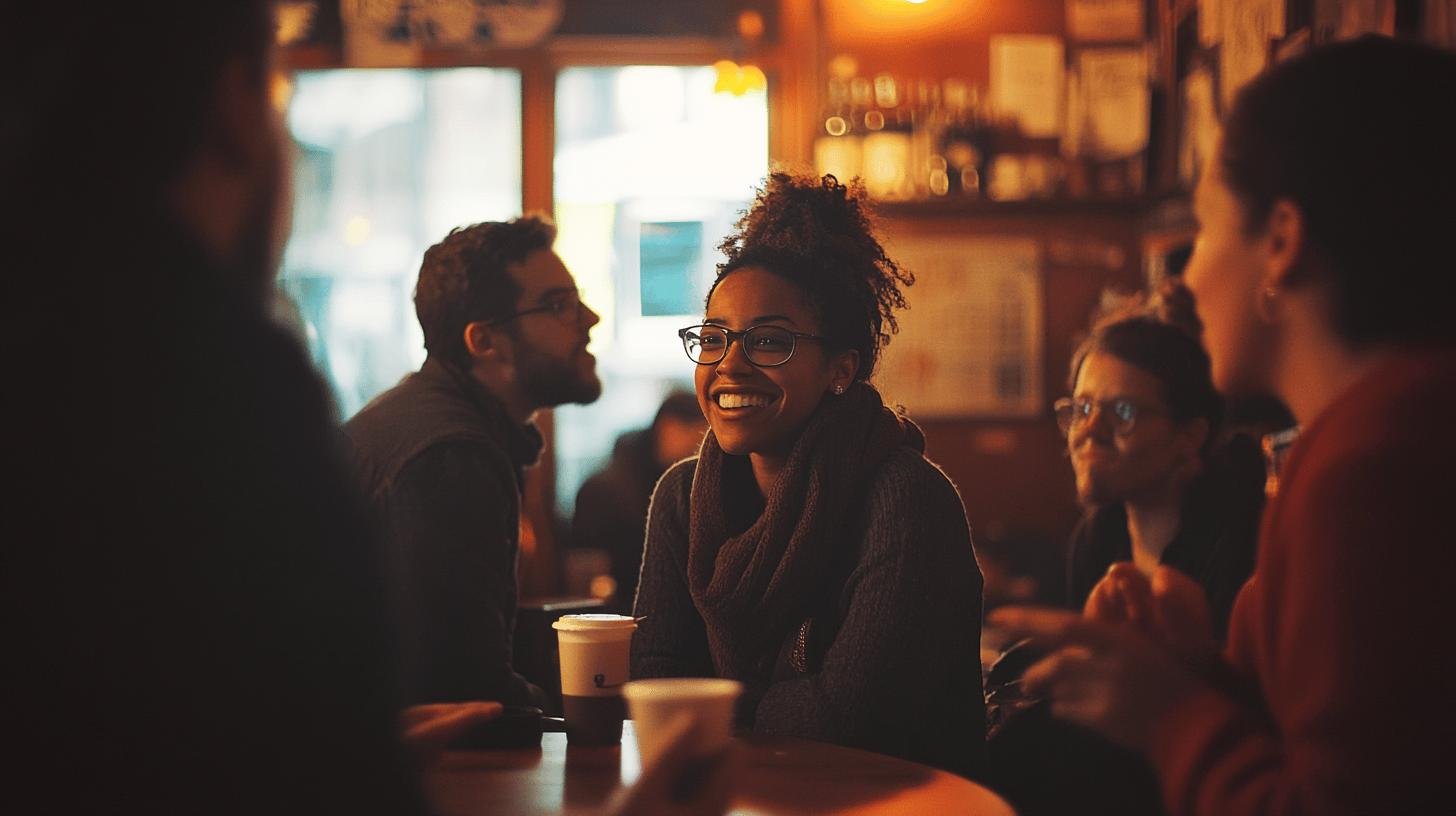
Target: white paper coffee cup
[
  {"x": 595, "y": 661},
  {"x": 655, "y": 703}
]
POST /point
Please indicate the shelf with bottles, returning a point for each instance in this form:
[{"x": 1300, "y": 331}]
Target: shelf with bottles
[{"x": 926, "y": 146}]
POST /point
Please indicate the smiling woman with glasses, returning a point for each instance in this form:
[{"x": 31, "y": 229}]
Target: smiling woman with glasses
[{"x": 811, "y": 551}]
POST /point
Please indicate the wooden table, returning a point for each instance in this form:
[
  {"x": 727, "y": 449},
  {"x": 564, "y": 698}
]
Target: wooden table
[{"x": 781, "y": 777}]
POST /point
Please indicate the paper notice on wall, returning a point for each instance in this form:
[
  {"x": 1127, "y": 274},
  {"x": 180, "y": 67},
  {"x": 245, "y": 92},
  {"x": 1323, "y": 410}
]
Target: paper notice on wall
[
  {"x": 1116, "y": 101},
  {"x": 1026, "y": 81},
  {"x": 971, "y": 342},
  {"x": 1200, "y": 125},
  {"x": 1249, "y": 26},
  {"x": 1105, "y": 20},
  {"x": 1210, "y": 22}
]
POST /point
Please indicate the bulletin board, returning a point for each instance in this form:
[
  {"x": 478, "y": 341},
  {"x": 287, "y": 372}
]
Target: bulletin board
[{"x": 971, "y": 343}]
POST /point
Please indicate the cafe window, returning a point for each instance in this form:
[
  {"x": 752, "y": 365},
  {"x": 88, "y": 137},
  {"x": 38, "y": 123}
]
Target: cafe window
[
  {"x": 652, "y": 168},
  {"x": 386, "y": 162}
]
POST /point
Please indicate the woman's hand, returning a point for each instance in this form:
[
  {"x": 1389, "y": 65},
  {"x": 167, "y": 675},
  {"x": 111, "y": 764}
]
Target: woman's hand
[
  {"x": 1123, "y": 597},
  {"x": 1171, "y": 609},
  {"x": 429, "y": 728},
  {"x": 1112, "y": 678}
]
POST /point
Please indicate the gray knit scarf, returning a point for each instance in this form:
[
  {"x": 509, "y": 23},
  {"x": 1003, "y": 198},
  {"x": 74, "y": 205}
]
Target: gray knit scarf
[{"x": 753, "y": 589}]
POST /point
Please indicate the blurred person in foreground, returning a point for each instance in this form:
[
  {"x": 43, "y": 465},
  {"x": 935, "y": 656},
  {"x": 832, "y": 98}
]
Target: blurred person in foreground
[
  {"x": 611, "y": 506},
  {"x": 196, "y": 601},
  {"x": 442, "y": 456},
  {"x": 1327, "y": 283},
  {"x": 810, "y": 550},
  {"x": 190, "y": 603}
]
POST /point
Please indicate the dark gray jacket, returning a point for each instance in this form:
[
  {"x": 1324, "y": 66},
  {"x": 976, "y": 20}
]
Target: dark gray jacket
[{"x": 442, "y": 466}]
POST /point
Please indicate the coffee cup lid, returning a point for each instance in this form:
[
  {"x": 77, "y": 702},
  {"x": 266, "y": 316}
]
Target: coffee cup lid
[{"x": 593, "y": 622}]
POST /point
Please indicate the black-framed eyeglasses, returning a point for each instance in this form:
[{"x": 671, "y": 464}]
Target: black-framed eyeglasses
[
  {"x": 1121, "y": 413},
  {"x": 765, "y": 346},
  {"x": 566, "y": 307}
]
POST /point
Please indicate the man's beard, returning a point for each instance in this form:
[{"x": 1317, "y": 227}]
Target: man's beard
[{"x": 549, "y": 381}]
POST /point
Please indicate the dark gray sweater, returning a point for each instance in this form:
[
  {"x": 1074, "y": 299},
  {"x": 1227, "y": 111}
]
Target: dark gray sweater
[
  {"x": 893, "y": 659},
  {"x": 442, "y": 466}
]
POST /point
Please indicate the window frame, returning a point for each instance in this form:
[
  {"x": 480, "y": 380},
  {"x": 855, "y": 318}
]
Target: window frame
[{"x": 538, "y": 67}]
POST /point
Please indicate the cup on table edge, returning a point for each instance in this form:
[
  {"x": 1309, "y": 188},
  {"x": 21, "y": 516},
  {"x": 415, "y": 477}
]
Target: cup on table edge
[
  {"x": 655, "y": 702},
  {"x": 595, "y": 659}
]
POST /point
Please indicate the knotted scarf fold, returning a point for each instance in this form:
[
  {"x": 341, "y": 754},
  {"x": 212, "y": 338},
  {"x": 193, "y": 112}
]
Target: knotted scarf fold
[{"x": 752, "y": 589}]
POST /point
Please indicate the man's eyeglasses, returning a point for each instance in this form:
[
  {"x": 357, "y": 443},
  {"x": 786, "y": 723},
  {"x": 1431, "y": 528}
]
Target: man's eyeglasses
[
  {"x": 1122, "y": 414},
  {"x": 566, "y": 308},
  {"x": 765, "y": 346}
]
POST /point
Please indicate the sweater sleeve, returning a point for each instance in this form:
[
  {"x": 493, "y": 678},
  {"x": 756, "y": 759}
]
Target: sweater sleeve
[
  {"x": 1349, "y": 617},
  {"x": 670, "y": 641},
  {"x": 453, "y": 516},
  {"x": 902, "y": 675}
]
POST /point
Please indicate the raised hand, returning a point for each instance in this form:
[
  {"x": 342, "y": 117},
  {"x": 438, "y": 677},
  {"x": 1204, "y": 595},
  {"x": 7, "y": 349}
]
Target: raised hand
[
  {"x": 1113, "y": 678},
  {"x": 1170, "y": 608}
]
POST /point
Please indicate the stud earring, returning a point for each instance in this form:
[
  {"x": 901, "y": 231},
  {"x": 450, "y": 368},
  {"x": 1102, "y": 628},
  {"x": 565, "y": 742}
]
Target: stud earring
[
  {"x": 840, "y": 389},
  {"x": 1264, "y": 304}
]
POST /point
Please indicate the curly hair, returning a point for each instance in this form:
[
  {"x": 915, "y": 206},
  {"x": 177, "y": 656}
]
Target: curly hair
[
  {"x": 466, "y": 277},
  {"x": 1161, "y": 335},
  {"x": 817, "y": 234}
]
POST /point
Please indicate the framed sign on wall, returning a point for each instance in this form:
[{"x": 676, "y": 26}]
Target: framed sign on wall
[{"x": 971, "y": 343}]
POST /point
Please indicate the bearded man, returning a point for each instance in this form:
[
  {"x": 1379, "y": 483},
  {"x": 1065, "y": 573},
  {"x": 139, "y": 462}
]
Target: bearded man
[{"x": 442, "y": 455}]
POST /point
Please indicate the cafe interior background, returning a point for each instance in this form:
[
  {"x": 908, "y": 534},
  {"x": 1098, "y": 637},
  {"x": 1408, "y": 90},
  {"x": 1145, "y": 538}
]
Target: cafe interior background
[{"x": 1030, "y": 160}]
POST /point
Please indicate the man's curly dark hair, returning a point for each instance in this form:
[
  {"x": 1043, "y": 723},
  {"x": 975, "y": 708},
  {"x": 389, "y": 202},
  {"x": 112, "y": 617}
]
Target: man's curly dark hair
[
  {"x": 817, "y": 233},
  {"x": 466, "y": 278}
]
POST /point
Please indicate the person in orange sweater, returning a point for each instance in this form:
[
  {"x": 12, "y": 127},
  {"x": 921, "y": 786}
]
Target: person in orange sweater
[{"x": 1323, "y": 277}]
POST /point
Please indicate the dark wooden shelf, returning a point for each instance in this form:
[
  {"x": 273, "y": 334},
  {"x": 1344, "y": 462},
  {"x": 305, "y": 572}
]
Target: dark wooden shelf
[{"x": 1041, "y": 207}]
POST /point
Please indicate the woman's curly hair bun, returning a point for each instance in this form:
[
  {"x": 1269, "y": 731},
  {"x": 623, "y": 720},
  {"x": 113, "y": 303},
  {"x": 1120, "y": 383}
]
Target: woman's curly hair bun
[{"x": 817, "y": 232}]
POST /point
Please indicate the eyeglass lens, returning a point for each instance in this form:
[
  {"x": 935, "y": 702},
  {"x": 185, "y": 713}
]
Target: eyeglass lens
[
  {"x": 764, "y": 345},
  {"x": 565, "y": 306},
  {"x": 1120, "y": 412}
]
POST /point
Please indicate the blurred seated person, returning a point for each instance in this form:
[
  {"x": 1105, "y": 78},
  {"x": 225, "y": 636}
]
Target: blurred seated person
[
  {"x": 810, "y": 550},
  {"x": 1141, "y": 425},
  {"x": 611, "y": 507},
  {"x": 1143, "y": 433}
]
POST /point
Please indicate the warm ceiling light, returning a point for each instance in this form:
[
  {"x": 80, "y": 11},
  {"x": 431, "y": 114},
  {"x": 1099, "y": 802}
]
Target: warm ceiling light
[
  {"x": 738, "y": 79},
  {"x": 750, "y": 25}
]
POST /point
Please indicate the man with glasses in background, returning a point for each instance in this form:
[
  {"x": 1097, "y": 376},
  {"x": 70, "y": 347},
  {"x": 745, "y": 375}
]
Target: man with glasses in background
[{"x": 442, "y": 455}]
